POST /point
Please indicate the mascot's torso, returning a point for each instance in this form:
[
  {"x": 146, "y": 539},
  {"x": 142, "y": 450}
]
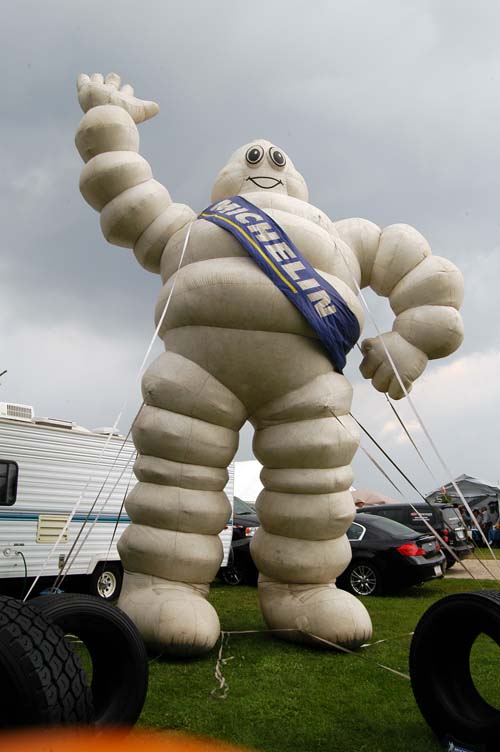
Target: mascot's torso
[
  {"x": 217, "y": 268},
  {"x": 230, "y": 318}
]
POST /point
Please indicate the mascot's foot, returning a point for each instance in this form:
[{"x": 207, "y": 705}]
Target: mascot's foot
[
  {"x": 319, "y": 610},
  {"x": 172, "y": 617}
]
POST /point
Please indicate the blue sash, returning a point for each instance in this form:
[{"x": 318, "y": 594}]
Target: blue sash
[{"x": 270, "y": 247}]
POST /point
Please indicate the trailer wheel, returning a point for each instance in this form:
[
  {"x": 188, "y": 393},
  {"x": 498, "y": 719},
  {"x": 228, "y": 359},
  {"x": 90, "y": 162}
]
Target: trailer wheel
[
  {"x": 43, "y": 683},
  {"x": 119, "y": 658},
  {"x": 106, "y": 580},
  {"x": 449, "y": 700}
]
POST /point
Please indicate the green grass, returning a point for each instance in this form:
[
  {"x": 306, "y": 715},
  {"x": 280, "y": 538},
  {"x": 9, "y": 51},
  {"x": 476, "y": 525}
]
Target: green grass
[
  {"x": 484, "y": 553},
  {"x": 288, "y": 697}
]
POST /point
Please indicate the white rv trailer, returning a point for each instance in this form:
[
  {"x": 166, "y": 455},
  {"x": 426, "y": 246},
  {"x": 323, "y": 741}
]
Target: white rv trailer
[{"x": 46, "y": 466}]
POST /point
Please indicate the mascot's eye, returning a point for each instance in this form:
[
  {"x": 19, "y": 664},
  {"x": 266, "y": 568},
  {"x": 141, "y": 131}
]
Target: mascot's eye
[
  {"x": 254, "y": 154},
  {"x": 277, "y": 156}
]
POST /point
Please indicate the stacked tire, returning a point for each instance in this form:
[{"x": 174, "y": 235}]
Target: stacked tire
[
  {"x": 43, "y": 680},
  {"x": 448, "y": 699}
]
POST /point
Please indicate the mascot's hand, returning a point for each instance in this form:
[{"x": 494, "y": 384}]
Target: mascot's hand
[
  {"x": 95, "y": 90},
  {"x": 409, "y": 361}
]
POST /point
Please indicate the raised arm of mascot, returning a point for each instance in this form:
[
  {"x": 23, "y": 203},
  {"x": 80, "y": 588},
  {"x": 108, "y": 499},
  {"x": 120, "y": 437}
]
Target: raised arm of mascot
[
  {"x": 425, "y": 292},
  {"x": 136, "y": 210}
]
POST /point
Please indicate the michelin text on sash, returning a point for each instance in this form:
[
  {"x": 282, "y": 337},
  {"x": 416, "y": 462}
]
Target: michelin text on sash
[{"x": 276, "y": 252}]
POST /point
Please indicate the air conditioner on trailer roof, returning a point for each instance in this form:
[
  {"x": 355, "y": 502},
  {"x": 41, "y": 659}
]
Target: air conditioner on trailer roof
[{"x": 15, "y": 411}]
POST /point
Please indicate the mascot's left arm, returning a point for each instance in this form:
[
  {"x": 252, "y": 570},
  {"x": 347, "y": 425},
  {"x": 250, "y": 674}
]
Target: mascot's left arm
[{"x": 424, "y": 291}]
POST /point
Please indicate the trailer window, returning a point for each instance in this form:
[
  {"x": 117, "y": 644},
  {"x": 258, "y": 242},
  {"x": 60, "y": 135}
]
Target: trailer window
[{"x": 8, "y": 482}]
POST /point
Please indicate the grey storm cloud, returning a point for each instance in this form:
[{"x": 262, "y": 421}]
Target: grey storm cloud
[{"x": 390, "y": 110}]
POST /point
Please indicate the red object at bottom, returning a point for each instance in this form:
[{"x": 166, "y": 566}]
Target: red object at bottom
[{"x": 113, "y": 740}]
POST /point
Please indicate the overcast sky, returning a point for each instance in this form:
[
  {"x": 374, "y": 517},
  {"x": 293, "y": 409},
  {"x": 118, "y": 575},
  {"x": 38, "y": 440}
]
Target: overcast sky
[{"x": 391, "y": 111}]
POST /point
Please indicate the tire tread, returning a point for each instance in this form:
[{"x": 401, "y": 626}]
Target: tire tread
[{"x": 60, "y": 692}]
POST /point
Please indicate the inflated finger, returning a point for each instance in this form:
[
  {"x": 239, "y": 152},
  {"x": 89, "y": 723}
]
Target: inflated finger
[
  {"x": 395, "y": 391},
  {"x": 369, "y": 364},
  {"x": 82, "y": 80},
  {"x": 150, "y": 110},
  {"x": 113, "y": 79},
  {"x": 97, "y": 78},
  {"x": 382, "y": 378},
  {"x": 367, "y": 345},
  {"x": 127, "y": 90}
]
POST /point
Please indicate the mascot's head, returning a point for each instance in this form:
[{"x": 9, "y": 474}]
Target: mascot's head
[{"x": 259, "y": 166}]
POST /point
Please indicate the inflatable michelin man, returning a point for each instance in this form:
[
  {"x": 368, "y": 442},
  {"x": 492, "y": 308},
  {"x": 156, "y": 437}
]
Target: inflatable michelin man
[{"x": 238, "y": 349}]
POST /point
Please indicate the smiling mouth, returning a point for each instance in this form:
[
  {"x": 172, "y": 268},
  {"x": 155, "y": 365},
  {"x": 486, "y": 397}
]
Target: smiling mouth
[{"x": 264, "y": 182}]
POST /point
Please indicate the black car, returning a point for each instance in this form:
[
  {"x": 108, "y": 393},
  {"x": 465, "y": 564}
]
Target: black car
[
  {"x": 240, "y": 569},
  {"x": 245, "y": 520},
  {"x": 442, "y": 517},
  {"x": 385, "y": 556}
]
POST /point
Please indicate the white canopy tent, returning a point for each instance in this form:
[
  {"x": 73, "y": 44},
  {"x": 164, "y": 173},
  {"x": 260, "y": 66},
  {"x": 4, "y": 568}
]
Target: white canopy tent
[{"x": 477, "y": 492}]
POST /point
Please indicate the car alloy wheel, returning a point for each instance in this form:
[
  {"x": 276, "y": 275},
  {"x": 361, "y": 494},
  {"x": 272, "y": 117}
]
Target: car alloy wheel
[
  {"x": 364, "y": 579},
  {"x": 232, "y": 576}
]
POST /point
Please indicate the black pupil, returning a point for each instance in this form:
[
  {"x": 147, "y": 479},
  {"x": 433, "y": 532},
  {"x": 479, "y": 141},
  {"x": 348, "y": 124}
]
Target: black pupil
[
  {"x": 254, "y": 155},
  {"x": 278, "y": 157}
]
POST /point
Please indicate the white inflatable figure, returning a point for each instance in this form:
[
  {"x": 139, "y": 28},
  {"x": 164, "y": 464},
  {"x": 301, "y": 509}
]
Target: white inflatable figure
[{"x": 237, "y": 350}]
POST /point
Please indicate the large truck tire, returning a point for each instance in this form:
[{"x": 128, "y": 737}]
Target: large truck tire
[
  {"x": 43, "y": 682},
  {"x": 440, "y": 669},
  {"x": 119, "y": 659}
]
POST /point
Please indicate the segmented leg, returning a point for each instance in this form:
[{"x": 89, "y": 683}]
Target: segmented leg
[
  {"x": 186, "y": 436},
  {"x": 305, "y": 510}
]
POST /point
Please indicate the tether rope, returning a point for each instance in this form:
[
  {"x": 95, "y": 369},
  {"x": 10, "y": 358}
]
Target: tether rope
[
  {"x": 75, "y": 508},
  {"x": 412, "y": 506},
  {"x": 418, "y": 513},
  {"x": 115, "y": 424},
  {"x": 70, "y": 560},
  {"x": 410, "y": 438},
  {"x": 412, "y": 405},
  {"x": 221, "y": 692},
  {"x": 62, "y": 576},
  {"x": 120, "y": 512}
]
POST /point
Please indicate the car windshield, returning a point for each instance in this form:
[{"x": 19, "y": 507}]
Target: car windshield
[
  {"x": 241, "y": 507},
  {"x": 384, "y": 525}
]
